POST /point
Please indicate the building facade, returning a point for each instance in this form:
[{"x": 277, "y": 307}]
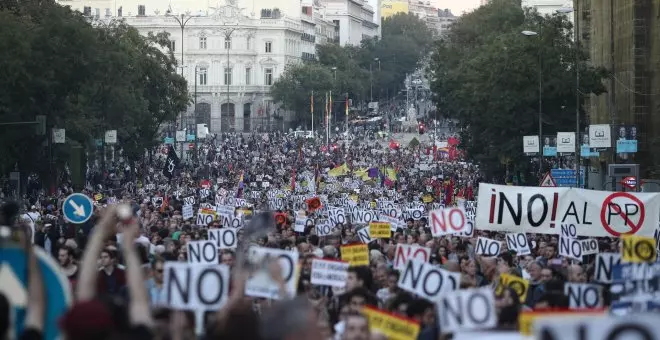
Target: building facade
[
  {"x": 550, "y": 7},
  {"x": 354, "y": 20},
  {"x": 624, "y": 37},
  {"x": 231, "y": 54}
]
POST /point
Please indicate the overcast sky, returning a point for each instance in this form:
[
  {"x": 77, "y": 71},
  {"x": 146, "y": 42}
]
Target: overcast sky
[{"x": 458, "y": 6}]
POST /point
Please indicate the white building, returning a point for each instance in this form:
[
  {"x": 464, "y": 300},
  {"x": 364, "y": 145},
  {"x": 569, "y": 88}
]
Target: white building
[
  {"x": 354, "y": 19},
  {"x": 550, "y": 7},
  {"x": 229, "y": 57}
]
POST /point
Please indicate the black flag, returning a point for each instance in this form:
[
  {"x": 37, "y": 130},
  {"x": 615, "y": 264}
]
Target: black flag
[{"x": 171, "y": 163}]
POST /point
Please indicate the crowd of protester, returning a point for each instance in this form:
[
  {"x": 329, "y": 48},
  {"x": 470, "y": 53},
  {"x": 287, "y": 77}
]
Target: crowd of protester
[{"x": 115, "y": 265}]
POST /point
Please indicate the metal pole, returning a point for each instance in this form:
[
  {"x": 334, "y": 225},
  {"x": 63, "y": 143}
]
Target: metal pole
[
  {"x": 578, "y": 158},
  {"x": 195, "y": 120},
  {"x": 540, "y": 113},
  {"x": 371, "y": 81},
  {"x": 329, "y": 119},
  {"x": 311, "y": 109}
]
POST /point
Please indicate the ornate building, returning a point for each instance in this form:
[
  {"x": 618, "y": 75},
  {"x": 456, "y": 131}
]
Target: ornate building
[{"x": 230, "y": 54}]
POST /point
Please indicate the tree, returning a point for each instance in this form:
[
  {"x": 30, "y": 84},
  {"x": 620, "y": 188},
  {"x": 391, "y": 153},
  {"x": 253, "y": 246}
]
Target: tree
[
  {"x": 485, "y": 73},
  {"x": 294, "y": 90},
  {"x": 84, "y": 78},
  {"x": 406, "y": 40}
]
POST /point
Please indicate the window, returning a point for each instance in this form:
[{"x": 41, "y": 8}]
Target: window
[
  {"x": 248, "y": 75},
  {"x": 228, "y": 75},
  {"x": 202, "y": 43},
  {"x": 269, "y": 47},
  {"x": 173, "y": 45},
  {"x": 249, "y": 43},
  {"x": 202, "y": 72},
  {"x": 227, "y": 43},
  {"x": 142, "y": 10},
  {"x": 97, "y": 13},
  {"x": 108, "y": 13},
  {"x": 87, "y": 11},
  {"x": 268, "y": 76}
]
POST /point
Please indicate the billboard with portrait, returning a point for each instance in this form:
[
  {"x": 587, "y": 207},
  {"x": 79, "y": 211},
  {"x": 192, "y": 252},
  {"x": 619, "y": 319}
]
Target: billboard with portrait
[{"x": 626, "y": 139}]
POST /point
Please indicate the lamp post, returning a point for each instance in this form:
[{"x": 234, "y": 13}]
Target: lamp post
[
  {"x": 182, "y": 20},
  {"x": 532, "y": 34},
  {"x": 371, "y": 79},
  {"x": 227, "y": 32},
  {"x": 578, "y": 157}
]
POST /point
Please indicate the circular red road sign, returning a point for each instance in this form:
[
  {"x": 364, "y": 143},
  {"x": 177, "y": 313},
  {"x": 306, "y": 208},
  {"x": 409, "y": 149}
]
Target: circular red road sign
[{"x": 606, "y": 205}]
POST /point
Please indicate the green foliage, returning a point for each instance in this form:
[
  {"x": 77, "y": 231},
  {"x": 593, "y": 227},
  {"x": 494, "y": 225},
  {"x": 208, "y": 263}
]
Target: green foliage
[
  {"x": 82, "y": 78},
  {"x": 486, "y": 74},
  {"x": 406, "y": 40}
]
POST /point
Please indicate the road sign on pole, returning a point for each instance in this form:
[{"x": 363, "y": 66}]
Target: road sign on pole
[
  {"x": 548, "y": 181},
  {"x": 57, "y": 289},
  {"x": 77, "y": 208}
]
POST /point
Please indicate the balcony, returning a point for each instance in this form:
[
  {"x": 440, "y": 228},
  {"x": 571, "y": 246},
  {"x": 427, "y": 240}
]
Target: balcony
[
  {"x": 308, "y": 37},
  {"x": 308, "y": 56}
]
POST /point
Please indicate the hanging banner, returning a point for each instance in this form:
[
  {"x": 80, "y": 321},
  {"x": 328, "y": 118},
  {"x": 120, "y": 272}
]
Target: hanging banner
[
  {"x": 531, "y": 144},
  {"x": 566, "y": 142},
  {"x": 546, "y": 210}
]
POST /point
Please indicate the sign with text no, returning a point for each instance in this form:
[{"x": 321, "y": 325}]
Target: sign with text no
[{"x": 447, "y": 221}]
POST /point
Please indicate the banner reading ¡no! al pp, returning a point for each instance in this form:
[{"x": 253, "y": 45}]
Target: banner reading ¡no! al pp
[{"x": 544, "y": 210}]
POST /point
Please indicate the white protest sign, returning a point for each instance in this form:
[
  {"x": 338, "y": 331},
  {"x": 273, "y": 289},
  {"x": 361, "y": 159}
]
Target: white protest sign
[
  {"x": 589, "y": 246},
  {"x": 414, "y": 213},
  {"x": 467, "y": 309},
  {"x": 365, "y": 235},
  {"x": 488, "y": 247},
  {"x": 406, "y": 252},
  {"x": 363, "y": 216},
  {"x": 204, "y": 252},
  {"x": 568, "y": 230},
  {"x": 519, "y": 243},
  {"x": 204, "y": 193},
  {"x": 544, "y": 210},
  {"x": 190, "y": 200},
  {"x": 227, "y": 220},
  {"x": 329, "y": 273},
  {"x": 187, "y": 212},
  {"x": 261, "y": 284},
  {"x": 204, "y": 219},
  {"x": 604, "y": 264},
  {"x": 570, "y": 247},
  {"x": 195, "y": 286},
  {"x": 447, "y": 221},
  {"x": 639, "y": 326},
  {"x": 426, "y": 280},
  {"x": 224, "y": 238},
  {"x": 323, "y": 229},
  {"x": 583, "y": 295},
  {"x": 336, "y": 216}
]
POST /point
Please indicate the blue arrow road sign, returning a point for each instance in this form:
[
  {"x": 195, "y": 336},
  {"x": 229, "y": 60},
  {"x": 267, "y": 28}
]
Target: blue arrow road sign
[
  {"x": 57, "y": 289},
  {"x": 77, "y": 208}
]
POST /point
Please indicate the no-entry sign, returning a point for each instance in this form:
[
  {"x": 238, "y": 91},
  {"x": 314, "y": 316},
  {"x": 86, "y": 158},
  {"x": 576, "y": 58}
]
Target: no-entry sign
[{"x": 622, "y": 207}]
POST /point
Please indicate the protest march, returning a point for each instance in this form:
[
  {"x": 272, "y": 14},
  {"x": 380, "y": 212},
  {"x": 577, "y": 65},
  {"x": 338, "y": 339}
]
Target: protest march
[{"x": 278, "y": 240}]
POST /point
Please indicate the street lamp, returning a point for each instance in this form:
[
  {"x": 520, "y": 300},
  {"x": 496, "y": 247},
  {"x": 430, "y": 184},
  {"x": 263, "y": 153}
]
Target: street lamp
[
  {"x": 371, "y": 79},
  {"x": 533, "y": 34},
  {"x": 227, "y": 32},
  {"x": 182, "y": 20},
  {"x": 578, "y": 157},
  {"x": 334, "y": 71}
]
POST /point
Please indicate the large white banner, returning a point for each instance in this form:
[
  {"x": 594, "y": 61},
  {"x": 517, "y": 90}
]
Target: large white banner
[{"x": 547, "y": 210}]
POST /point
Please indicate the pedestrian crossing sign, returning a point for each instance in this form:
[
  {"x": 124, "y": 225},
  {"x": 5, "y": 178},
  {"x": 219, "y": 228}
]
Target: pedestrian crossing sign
[{"x": 548, "y": 181}]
